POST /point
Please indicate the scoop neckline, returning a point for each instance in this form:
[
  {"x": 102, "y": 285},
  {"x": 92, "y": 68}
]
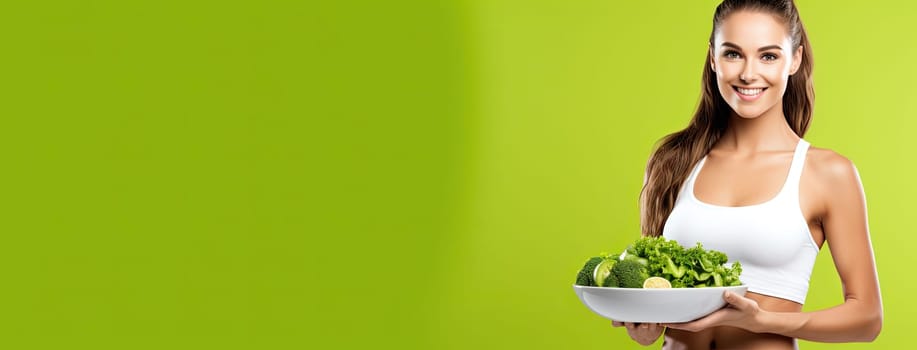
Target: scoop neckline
[{"x": 786, "y": 180}]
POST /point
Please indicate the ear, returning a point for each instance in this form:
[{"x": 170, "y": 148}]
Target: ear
[
  {"x": 710, "y": 56},
  {"x": 797, "y": 60}
]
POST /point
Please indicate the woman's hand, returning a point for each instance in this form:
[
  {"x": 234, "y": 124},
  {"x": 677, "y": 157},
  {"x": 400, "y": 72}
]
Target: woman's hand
[
  {"x": 740, "y": 312},
  {"x": 643, "y": 333}
]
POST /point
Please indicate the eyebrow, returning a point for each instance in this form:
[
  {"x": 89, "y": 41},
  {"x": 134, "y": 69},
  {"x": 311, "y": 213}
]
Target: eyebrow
[{"x": 763, "y": 48}]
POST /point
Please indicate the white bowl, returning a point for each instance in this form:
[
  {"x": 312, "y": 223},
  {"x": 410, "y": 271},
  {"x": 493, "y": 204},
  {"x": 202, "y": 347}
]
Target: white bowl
[{"x": 654, "y": 305}]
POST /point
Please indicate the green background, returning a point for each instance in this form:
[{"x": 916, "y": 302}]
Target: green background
[{"x": 400, "y": 174}]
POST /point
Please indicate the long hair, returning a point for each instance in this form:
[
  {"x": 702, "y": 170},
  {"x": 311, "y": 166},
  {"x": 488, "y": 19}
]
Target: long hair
[{"x": 676, "y": 153}]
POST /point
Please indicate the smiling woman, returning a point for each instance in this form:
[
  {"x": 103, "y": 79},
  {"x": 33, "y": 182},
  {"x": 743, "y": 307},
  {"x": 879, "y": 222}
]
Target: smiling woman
[
  {"x": 753, "y": 58},
  {"x": 742, "y": 180}
]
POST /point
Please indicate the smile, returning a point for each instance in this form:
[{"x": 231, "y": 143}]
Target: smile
[{"x": 749, "y": 92}]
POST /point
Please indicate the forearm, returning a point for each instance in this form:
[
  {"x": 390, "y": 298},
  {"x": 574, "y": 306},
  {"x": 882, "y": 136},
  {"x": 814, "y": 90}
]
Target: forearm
[{"x": 853, "y": 321}]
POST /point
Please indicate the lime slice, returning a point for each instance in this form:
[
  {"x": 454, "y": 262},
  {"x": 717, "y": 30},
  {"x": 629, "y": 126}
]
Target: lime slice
[{"x": 657, "y": 282}]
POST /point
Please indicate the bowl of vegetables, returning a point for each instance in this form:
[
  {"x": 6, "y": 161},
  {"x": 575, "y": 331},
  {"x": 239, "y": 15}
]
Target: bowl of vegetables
[{"x": 656, "y": 280}]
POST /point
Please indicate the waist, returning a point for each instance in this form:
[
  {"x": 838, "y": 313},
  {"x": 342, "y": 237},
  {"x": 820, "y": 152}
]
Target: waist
[
  {"x": 725, "y": 337},
  {"x": 728, "y": 338}
]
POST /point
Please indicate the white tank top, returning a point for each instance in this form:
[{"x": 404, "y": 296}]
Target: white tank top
[{"x": 771, "y": 240}]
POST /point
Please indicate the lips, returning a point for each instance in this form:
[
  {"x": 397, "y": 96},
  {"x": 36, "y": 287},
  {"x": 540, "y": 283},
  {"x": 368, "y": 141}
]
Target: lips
[{"x": 750, "y": 92}]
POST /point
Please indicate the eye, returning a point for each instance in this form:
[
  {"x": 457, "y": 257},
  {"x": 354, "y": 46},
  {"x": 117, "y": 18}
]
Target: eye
[
  {"x": 731, "y": 54},
  {"x": 769, "y": 57}
]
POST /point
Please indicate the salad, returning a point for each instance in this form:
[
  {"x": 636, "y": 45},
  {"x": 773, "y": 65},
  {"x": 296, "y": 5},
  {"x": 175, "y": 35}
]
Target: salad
[{"x": 657, "y": 262}]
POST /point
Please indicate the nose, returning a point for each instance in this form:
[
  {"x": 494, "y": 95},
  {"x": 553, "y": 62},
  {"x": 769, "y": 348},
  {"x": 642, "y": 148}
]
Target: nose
[{"x": 748, "y": 72}]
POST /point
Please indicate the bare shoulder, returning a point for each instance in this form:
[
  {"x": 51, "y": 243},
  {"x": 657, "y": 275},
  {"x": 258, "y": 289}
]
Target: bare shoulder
[{"x": 831, "y": 168}]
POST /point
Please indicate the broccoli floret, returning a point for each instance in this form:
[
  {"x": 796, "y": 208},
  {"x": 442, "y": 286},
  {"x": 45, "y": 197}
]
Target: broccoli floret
[
  {"x": 610, "y": 281},
  {"x": 586, "y": 276},
  {"x": 630, "y": 273}
]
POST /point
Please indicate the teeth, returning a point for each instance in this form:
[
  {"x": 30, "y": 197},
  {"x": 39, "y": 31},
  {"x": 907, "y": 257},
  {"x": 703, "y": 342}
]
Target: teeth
[{"x": 749, "y": 92}]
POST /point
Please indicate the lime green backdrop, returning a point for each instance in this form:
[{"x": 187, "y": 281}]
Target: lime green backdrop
[{"x": 402, "y": 174}]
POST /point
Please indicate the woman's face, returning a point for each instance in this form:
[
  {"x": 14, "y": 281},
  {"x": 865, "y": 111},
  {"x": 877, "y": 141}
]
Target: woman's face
[{"x": 753, "y": 59}]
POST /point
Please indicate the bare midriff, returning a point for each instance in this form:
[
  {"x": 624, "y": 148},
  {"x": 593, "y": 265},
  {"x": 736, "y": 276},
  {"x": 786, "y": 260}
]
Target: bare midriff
[{"x": 735, "y": 338}]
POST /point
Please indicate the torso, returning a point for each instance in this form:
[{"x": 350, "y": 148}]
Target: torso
[
  {"x": 735, "y": 338},
  {"x": 735, "y": 180}
]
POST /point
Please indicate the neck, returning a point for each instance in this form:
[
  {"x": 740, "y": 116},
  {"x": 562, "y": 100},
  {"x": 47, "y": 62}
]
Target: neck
[{"x": 767, "y": 132}]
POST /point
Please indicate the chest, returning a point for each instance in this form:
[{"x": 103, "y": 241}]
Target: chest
[
  {"x": 747, "y": 181},
  {"x": 741, "y": 181},
  {"x": 741, "y": 205}
]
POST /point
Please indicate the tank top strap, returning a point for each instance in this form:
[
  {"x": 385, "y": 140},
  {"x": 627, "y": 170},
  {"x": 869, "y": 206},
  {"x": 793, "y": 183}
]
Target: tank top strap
[{"x": 799, "y": 161}]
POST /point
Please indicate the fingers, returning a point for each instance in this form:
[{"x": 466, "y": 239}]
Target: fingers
[
  {"x": 643, "y": 333},
  {"x": 634, "y": 325},
  {"x": 688, "y": 326},
  {"x": 692, "y": 326},
  {"x": 737, "y": 301}
]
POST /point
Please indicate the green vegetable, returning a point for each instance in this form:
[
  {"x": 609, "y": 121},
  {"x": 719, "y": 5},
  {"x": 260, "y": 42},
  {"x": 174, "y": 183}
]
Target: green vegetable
[
  {"x": 596, "y": 272},
  {"x": 630, "y": 273},
  {"x": 603, "y": 275},
  {"x": 610, "y": 281},
  {"x": 586, "y": 275},
  {"x": 657, "y": 256},
  {"x": 691, "y": 267}
]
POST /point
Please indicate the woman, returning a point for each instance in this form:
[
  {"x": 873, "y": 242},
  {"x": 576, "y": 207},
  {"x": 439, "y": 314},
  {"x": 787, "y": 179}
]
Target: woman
[{"x": 740, "y": 179}]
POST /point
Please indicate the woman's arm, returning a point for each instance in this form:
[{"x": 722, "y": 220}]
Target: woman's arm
[
  {"x": 859, "y": 318},
  {"x": 846, "y": 229}
]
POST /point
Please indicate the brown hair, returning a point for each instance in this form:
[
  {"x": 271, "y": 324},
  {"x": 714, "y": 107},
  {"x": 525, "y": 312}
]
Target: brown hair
[{"x": 676, "y": 153}]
